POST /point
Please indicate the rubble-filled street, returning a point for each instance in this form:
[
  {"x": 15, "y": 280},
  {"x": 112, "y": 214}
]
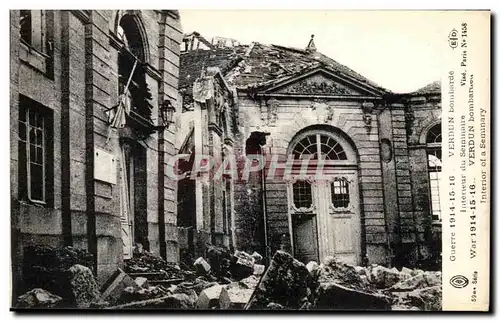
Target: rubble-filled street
[{"x": 63, "y": 278}]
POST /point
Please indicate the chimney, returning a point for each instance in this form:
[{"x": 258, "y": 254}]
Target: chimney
[{"x": 311, "y": 47}]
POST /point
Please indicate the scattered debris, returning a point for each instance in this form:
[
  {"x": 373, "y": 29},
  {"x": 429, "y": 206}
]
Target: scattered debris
[
  {"x": 234, "y": 297},
  {"x": 285, "y": 283},
  {"x": 383, "y": 277},
  {"x": 242, "y": 264},
  {"x": 258, "y": 269},
  {"x": 257, "y": 257},
  {"x": 209, "y": 298},
  {"x": 224, "y": 281},
  {"x": 312, "y": 266},
  {"x": 38, "y": 298},
  {"x": 47, "y": 268},
  {"x": 142, "y": 282},
  {"x": 202, "y": 266},
  {"x": 145, "y": 262},
  {"x": 250, "y": 282},
  {"x": 113, "y": 288},
  {"x": 342, "y": 274}
]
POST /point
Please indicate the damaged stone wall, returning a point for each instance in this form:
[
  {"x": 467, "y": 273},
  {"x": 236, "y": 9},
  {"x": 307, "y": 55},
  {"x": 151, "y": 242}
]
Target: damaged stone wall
[
  {"x": 424, "y": 111},
  {"x": 293, "y": 115},
  {"x": 407, "y": 237},
  {"x": 78, "y": 82},
  {"x": 210, "y": 122}
]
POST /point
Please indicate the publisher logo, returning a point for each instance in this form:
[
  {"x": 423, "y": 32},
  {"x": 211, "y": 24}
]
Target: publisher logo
[
  {"x": 453, "y": 38},
  {"x": 459, "y": 281}
]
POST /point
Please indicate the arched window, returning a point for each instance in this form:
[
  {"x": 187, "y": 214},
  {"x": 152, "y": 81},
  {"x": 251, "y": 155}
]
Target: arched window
[
  {"x": 319, "y": 144},
  {"x": 434, "y": 166}
]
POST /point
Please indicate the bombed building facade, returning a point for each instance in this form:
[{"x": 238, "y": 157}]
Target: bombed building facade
[
  {"x": 379, "y": 154},
  {"x": 93, "y": 97},
  {"x": 118, "y": 122}
]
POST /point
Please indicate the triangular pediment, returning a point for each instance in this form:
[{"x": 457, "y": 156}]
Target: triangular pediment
[{"x": 321, "y": 82}]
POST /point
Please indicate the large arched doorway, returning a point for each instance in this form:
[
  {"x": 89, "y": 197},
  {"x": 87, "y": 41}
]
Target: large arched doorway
[
  {"x": 324, "y": 209},
  {"x": 135, "y": 98}
]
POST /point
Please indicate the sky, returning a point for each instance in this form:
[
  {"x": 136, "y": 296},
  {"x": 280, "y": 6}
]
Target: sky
[{"x": 398, "y": 50}]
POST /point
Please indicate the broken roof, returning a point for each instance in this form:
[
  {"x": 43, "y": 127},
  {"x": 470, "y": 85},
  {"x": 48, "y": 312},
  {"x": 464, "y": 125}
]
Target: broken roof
[
  {"x": 256, "y": 65},
  {"x": 433, "y": 88}
]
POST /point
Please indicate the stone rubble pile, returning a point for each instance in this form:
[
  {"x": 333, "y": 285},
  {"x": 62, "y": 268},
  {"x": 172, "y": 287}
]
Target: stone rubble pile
[
  {"x": 146, "y": 262},
  {"x": 222, "y": 280}
]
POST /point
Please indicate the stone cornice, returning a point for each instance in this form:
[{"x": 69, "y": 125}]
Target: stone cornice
[{"x": 82, "y": 15}]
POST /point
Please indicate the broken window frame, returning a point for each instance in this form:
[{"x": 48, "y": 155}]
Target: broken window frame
[{"x": 138, "y": 89}]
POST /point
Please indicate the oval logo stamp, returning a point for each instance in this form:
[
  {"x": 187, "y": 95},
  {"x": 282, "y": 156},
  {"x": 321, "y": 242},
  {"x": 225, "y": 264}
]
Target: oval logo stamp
[{"x": 459, "y": 281}]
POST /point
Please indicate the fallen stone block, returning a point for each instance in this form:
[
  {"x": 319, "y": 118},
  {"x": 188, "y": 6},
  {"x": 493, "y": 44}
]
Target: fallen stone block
[
  {"x": 142, "y": 282},
  {"x": 202, "y": 266},
  {"x": 189, "y": 292},
  {"x": 383, "y": 277},
  {"x": 242, "y": 265},
  {"x": 180, "y": 301},
  {"x": 113, "y": 288},
  {"x": 232, "y": 298},
  {"x": 131, "y": 294},
  {"x": 331, "y": 295},
  {"x": 199, "y": 284},
  {"x": 257, "y": 257},
  {"x": 430, "y": 298},
  {"x": 343, "y": 274},
  {"x": 209, "y": 298},
  {"x": 285, "y": 282},
  {"x": 83, "y": 286},
  {"x": 258, "y": 269},
  {"x": 250, "y": 282},
  {"x": 38, "y": 298},
  {"x": 312, "y": 266}
]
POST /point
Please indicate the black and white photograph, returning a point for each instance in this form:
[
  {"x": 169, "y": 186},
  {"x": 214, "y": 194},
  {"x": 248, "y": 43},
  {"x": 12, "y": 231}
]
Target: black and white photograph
[{"x": 232, "y": 160}]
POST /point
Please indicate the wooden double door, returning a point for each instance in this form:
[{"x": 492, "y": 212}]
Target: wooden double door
[{"x": 325, "y": 217}]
